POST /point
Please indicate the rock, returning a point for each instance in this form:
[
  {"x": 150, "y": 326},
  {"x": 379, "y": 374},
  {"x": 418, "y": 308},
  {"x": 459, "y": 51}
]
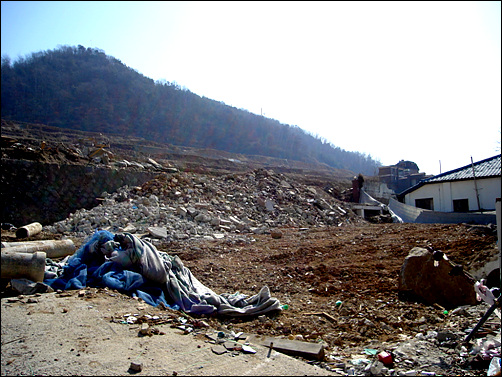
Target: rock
[
  {"x": 276, "y": 234},
  {"x": 145, "y": 329},
  {"x": 419, "y": 279},
  {"x": 219, "y": 349},
  {"x": 129, "y": 228},
  {"x": 269, "y": 205},
  {"x": 136, "y": 367},
  {"x": 182, "y": 211},
  {"x": 157, "y": 232},
  {"x": 28, "y": 287}
]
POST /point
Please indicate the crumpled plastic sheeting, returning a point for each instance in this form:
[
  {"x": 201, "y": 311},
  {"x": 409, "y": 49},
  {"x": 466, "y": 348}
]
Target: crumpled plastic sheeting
[
  {"x": 134, "y": 266},
  {"x": 483, "y": 293}
]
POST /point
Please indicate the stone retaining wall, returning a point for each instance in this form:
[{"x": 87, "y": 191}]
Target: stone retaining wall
[{"x": 33, "y": 191}]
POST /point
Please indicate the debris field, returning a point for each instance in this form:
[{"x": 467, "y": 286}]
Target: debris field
[{"x": 335, "y": 274}]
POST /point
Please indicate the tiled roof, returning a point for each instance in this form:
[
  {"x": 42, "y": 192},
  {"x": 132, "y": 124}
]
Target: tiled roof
[{"x": 489, "y": 167}]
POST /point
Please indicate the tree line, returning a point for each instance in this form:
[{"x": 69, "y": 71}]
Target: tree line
[{"x": 85, "y": 89}]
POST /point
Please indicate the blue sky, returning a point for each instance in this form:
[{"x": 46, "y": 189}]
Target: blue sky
[{"x": 417, "y": 81}]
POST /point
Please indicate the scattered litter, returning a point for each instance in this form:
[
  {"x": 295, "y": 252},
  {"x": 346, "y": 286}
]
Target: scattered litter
[
  {"x": 131, "y": 319},
  {"x": 494, "y": 368},
  {"x": 248, "y": 349},
  {"x": 370, "y": 351},
  {"x": 385, "y": 358}
]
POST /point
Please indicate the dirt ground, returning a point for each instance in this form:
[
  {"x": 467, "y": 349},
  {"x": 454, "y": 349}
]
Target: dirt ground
[{"x": 310, "y": 270}]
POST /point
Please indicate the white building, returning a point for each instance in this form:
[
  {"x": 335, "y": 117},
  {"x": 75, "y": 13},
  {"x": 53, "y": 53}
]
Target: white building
[{"x": 471, "y": 188}]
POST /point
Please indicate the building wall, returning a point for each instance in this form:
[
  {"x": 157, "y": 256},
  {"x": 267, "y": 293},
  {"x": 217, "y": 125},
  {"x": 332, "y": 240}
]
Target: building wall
[
  {"x": 378, "y": 190},
  {"x": 443, "y": 194},
  {"x": 411, "y": 214}
]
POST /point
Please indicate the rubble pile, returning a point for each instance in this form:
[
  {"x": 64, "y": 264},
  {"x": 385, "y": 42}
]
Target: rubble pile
[{"x": 185, "y": 206}]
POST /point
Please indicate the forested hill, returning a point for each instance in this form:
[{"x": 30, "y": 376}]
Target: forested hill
[{"x": 83, "y": 88}]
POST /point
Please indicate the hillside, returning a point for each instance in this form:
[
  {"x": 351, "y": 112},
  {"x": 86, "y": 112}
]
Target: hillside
[{"x": 84, "y": 89}]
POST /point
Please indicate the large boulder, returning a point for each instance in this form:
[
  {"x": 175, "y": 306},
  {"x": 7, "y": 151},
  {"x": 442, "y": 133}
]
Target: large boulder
[{"x": 420, "y": 279}]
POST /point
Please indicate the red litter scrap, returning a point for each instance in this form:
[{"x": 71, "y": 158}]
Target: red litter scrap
[{"x": 385, "y": 357}]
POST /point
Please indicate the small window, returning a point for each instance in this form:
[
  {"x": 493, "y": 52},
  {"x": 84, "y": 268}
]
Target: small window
[
  {"x": 461, "y": 205},
  {"x": 426, "y": 203}
]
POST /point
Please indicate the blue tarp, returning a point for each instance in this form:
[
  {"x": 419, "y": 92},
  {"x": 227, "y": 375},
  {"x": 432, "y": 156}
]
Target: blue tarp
[
  {"x": 87, "y": 269},
  {"x": 135, "y": 267}
]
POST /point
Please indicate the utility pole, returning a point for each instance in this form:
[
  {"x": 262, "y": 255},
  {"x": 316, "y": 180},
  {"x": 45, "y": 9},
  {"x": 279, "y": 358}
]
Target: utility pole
[{"x": 475, "y": 185}]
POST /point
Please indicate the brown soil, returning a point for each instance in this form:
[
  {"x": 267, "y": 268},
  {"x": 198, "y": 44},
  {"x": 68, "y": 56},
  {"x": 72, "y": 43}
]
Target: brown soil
[{"x": 310, "y": 270}]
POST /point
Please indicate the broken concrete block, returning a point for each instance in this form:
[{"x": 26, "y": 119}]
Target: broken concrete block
[
  {"x": 136, "y": 367},
  {"x": 232, "y": 346},
  {"x": 420, "y": 279},
  {"x": 248, "y": 349},
  {"x": 157, "y": 231}
]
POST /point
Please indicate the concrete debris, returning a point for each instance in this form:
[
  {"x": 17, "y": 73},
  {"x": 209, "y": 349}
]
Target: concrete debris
[
  {"x": 136, "y": 367},
  {"x": 29, "y": 230},
  {"x": 29, "y": 287},
  {"x": 190, "y": 206},
  {"x": 52, "y": 248},
  {"x": 23, "y": 265},
  {"x": 420, "y": 277},
  {"x": 219, "y": 349}
]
